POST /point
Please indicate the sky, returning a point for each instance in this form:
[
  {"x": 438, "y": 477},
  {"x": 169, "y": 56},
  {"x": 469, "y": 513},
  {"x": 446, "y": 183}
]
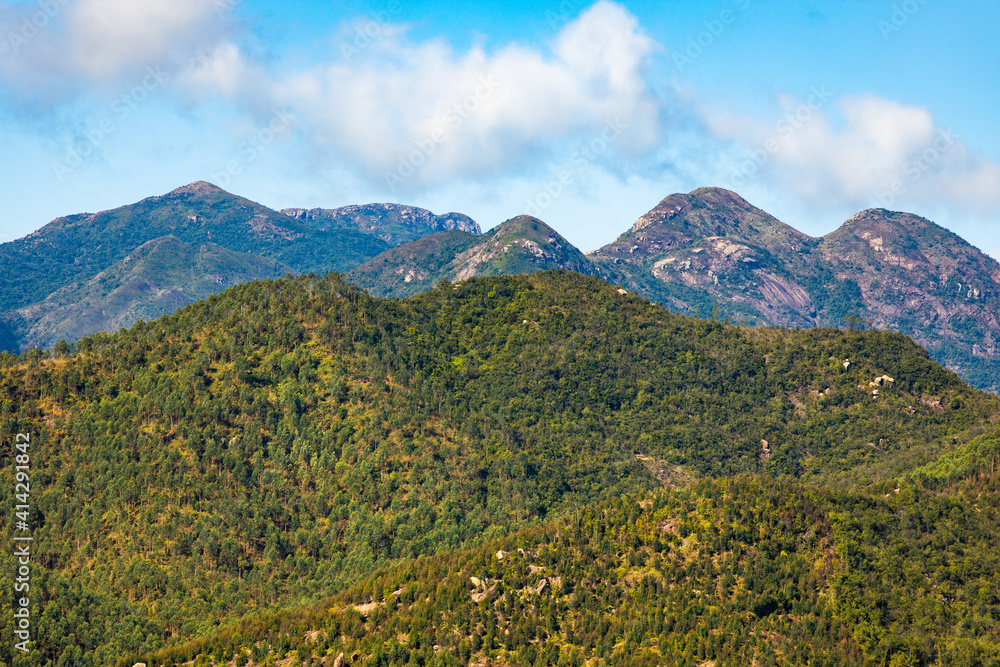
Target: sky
[{"x": 583, "y": 114}]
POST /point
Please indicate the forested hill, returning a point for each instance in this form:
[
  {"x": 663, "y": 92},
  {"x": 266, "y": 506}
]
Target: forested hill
[
  {"x": 274, "y": 444},
  {"x": 725, "y": 572}
]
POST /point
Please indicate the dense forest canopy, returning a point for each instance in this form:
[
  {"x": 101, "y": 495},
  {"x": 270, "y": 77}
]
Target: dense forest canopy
[{"x": 279, "y": 443}]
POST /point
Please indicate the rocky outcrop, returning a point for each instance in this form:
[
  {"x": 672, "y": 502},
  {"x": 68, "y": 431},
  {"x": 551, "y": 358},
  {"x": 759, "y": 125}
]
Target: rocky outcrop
[
  {"x": 880, "y": 269},
  {"x": 393, "y": 223}
]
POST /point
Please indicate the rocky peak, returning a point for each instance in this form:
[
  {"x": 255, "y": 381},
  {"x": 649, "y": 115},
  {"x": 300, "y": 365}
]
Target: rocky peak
[
  {"x": 682, "y": 219},
  {"x": 394, "y": 223}
]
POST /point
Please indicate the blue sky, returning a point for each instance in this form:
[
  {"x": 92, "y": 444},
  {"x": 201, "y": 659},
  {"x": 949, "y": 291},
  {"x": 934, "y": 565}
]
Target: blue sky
[{"x": 583, "y": 114}]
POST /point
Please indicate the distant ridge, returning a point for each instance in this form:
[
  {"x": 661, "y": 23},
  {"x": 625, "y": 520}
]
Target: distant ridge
[
  {"x": 520, "y": 245},
  {"x": 712, "y": 251},
  {"x": 75, "y": 278},
  {"x": 393, "y": 223},
  {"x": 704, "y": 252}
]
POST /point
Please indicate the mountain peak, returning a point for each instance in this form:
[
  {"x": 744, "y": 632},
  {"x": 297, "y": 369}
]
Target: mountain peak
[
  {"x": 680, "y": 219},
  {"x": 906, "y": 240},
  {"x": 196, "y": 188},
  {"x": 714, "y": 193},
  {"x": 525, "y": 222},
  {"x": 522, "y": 244}
]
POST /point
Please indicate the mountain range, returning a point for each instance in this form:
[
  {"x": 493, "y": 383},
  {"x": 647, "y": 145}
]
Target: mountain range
[
  {"x": 702, "y": 253},
  {"x": 257, "y": 469},
  {"x": 510, "y": 470}
]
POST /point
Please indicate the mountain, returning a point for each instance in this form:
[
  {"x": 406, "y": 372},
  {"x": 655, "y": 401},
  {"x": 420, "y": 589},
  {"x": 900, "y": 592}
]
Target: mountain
[
  {"x": 77, "y": 247},
  {"x": 412, "y": 267},
  {"x": 281, "y": 442},
  {"x": 712, "y": 243},
  {"x": 519, "y": 245},
  {"x": 158, "y": 278},
  {"x": 83, "y": 257},
  {"x": 916, "y": 277},
  {"x": 708, "y": 251},
  {"x": 393, "y": 223},
  {"x": 711, "y": 250}
]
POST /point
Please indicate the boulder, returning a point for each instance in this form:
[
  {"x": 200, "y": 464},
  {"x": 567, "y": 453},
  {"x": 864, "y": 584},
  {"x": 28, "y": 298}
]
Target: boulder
[
  {"x": 765, "y": 450},
  {"x": 882, "y": 381}
]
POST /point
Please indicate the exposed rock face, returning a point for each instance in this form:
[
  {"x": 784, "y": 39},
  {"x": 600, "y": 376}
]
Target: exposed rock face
[
  {"x": 896, "y": 271},
  {"x": 765, "y": 450},
  {"x": 393, "y": 223},
  {"x": 712, "y": 241}
]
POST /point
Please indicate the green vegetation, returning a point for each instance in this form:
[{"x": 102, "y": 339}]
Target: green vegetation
[
  {"x": 519, "y": 245},
  {"x": 157, "y": 278},
  {"x": 748, "y": 571},
  {"x": 413, "y": 267},
  {"x": 84, "y": 256},
  {"x": 281, "y": 442}
]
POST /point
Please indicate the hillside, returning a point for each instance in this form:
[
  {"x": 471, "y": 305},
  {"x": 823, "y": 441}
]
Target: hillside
[
  {"x": 158, "y": 278},
  {"x": 517, "y": 246},
  {"x": 83, "y": 258},
  {"x": 278, "y": 443},
  {"x": 917, "y": 277},
  {"x": 77, "y": 247},
  {"x": 731, "y": 572},
  {"x": 412, "y": 267}
]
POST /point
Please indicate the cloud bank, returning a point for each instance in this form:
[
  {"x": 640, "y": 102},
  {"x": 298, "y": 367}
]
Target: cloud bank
[
  {"x": 864, "y": 151},
  {"x": 412, "y": 115},
  {"x": 403, "y": 115},
  {"x": 55, "y": 49}
]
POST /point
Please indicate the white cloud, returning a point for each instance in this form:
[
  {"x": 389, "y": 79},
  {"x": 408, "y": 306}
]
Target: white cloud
[
  {"x": 107, "y": 36},
  {"x": 414, "y": 114},
  {"x": 52, "y": 48},
  {"x": 866, "y": 152}
]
